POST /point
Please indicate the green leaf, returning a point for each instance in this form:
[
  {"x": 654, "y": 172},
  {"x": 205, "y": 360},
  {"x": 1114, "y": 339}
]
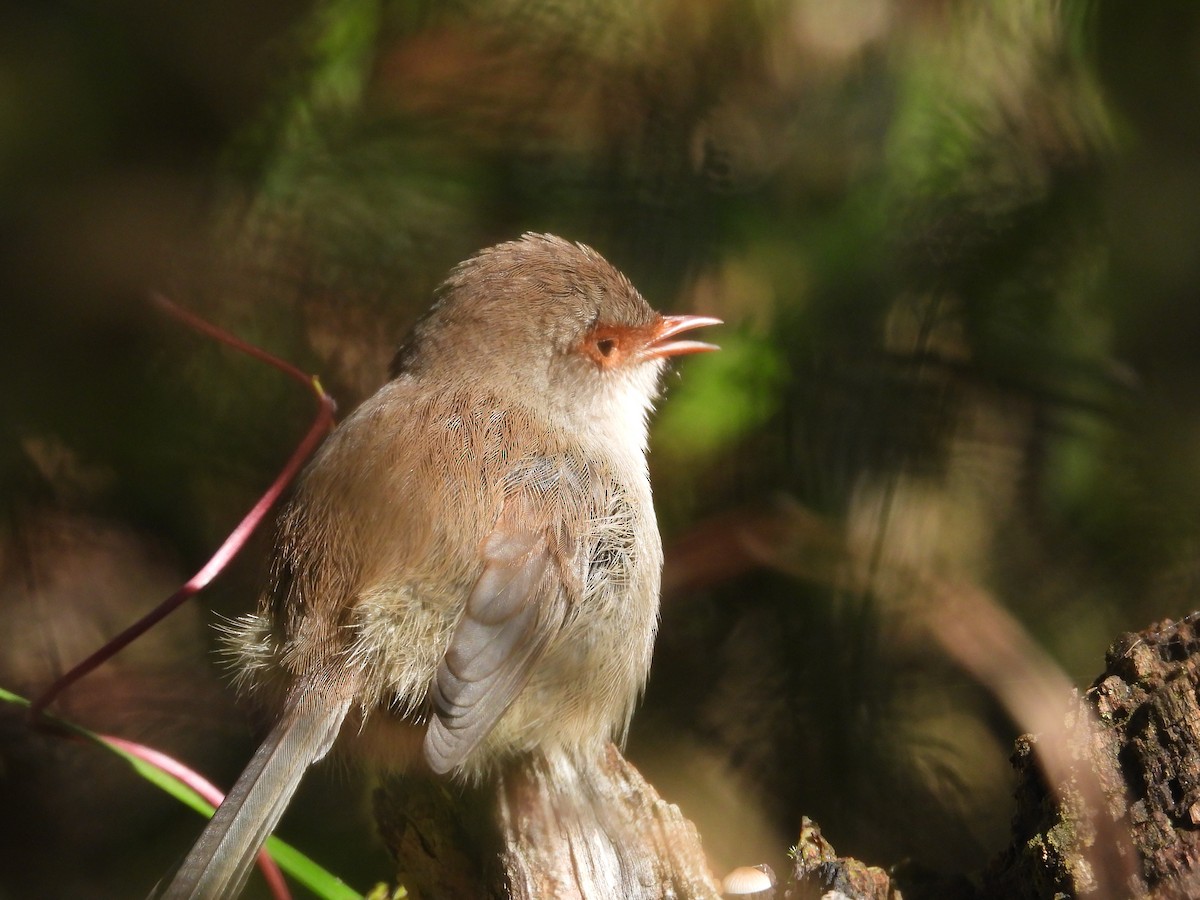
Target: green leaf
[{"x": 308, "y": 873}]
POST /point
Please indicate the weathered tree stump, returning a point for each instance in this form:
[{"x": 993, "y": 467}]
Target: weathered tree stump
[
  {"x": 574, "y": 829},
  {"x": 548, "y": 827},
  {"x": 1123, "y": 822},
  {"x": 1138, "y": 729}
]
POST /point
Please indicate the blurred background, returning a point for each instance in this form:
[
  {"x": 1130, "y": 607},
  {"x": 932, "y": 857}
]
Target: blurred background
[{"x": 955, "y": 246}]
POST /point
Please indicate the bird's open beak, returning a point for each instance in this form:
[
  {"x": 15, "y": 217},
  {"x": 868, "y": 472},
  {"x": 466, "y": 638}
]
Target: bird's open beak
[{"x": 661, "y": 345}]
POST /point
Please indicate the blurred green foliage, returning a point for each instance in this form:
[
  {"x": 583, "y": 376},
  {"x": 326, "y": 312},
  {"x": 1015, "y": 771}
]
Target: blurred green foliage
[{"x": 722, "y": 402}]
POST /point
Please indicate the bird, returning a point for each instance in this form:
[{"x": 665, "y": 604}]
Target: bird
[{"x": 468, "y": 569}]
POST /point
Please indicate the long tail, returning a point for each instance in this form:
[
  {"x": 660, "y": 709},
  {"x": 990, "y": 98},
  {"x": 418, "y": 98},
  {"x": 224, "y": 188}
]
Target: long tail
[{"x": 219, "y": 863}]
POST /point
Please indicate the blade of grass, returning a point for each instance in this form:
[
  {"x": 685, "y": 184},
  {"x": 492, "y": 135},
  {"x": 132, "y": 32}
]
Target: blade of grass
[{"x": 168, "y": 775}]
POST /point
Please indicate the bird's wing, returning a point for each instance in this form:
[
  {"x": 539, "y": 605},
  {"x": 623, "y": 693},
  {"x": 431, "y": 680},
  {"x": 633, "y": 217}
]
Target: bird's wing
[{"x": 514, "y": 609}]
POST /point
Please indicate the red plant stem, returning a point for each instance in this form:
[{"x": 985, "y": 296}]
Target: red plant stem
[
  {"x": 237, "y": 538},
  {"x": 193, "y": 321}
]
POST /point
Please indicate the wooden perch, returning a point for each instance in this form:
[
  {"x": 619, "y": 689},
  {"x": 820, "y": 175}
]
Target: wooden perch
[
  {"x": 582, "y": 830},
  {"x": 555, "y": 828},
  {"x": 549, "y": 827}
]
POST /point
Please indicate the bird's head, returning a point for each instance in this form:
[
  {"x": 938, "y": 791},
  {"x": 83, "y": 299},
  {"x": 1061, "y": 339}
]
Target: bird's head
[{"x": 554, "y": 326}]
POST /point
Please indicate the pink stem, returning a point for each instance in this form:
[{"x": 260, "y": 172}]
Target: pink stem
[
  {"x": 207, "y": 790},
  {"x": 240, "y": 534}
]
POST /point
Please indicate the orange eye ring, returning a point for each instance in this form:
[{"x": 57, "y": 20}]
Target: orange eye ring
[
  {"x": 606, "y": 346},
  {"x": 609, "y": 346}
]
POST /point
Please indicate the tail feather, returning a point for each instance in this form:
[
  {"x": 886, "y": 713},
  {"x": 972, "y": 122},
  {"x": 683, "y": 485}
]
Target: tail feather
[{"x": 219, "y": 863}]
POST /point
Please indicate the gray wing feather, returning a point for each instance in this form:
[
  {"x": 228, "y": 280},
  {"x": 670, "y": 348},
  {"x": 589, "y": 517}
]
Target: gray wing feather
[{"x": 512, "y": 612}]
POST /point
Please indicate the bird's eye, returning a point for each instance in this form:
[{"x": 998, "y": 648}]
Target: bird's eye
[{"x": 606, "y": 346}]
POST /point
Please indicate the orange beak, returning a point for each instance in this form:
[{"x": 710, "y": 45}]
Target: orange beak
[{"x": 661, "y": 345}]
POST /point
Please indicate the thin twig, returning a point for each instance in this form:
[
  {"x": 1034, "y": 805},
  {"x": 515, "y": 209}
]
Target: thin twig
[{"x": 237, "y": 538}]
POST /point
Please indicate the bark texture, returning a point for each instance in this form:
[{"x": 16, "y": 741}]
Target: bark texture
[
  {"x": 1136, "y": 730},
  {"x": 549, "y": 827},
  {"x": 574, "y": 830}
]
